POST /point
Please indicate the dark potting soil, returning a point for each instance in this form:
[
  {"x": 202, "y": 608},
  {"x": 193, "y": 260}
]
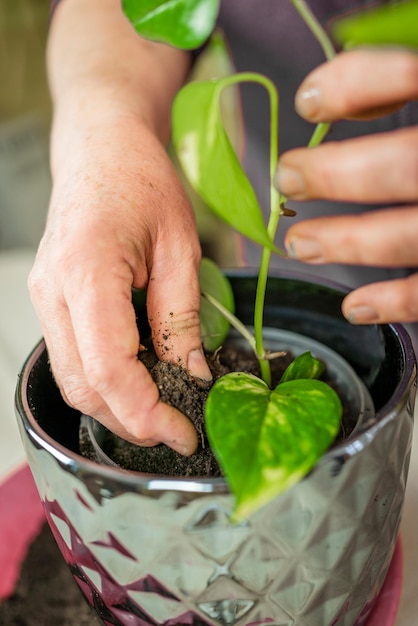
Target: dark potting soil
[
  {"x": 180, "y": 390},
  {"x": 46, "y": 593}
]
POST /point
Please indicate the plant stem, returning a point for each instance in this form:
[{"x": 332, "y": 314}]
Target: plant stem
[
  {"x": 278, "y": 200},
  {"x": 328, "y": 49},
  {"x": 320, "y": 132},
  {"x": 232, "y": 319},
  {"x": 275, "y": 207},
  {"x": 315, "y": 27}
]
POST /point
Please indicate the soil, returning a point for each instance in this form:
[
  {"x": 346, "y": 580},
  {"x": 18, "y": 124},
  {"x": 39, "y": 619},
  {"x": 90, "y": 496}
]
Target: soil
[
  {"x": 180, "y": 390},
  {"x": 46, "y": 594}
]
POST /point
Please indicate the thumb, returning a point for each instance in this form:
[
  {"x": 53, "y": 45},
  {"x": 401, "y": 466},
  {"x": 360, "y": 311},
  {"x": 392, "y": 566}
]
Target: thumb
[{"x": 173, "y": 310}]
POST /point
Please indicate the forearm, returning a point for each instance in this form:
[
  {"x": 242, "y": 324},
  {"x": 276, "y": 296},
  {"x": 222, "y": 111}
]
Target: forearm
[{"x": 100, "y": 71}]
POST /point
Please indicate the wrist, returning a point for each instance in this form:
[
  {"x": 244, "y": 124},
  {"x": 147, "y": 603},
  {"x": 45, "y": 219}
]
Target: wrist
[{"x": 99, "y": 63}]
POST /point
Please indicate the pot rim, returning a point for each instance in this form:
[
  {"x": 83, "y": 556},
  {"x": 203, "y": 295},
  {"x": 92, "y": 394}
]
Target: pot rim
[{"x": 137, "y": 481}]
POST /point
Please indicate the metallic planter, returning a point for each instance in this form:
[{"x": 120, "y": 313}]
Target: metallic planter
[{"x": 157, "y": 550}]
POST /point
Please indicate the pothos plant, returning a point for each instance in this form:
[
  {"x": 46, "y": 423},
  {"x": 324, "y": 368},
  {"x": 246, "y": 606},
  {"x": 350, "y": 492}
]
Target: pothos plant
[{"x": 280, "y": 432}]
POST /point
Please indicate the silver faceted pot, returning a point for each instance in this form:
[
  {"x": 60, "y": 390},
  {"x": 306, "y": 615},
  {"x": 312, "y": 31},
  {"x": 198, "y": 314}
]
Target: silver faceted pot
[{"x": 154, "y": 550}]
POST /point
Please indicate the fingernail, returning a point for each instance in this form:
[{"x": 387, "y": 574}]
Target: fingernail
[
  {"x": 305, "y": 250},
  {"x": 197, "y": 365},
  {"x": 307, "y": 102},
  {"x": 289, "y": 181},
  {"x": 362, "y": 315}
]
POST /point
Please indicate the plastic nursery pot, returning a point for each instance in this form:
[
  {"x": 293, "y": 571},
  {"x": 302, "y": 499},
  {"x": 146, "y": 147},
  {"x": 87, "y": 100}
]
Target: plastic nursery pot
[
  {"x": 353, "y": 392},
  {"x": 150, "y": 549}
]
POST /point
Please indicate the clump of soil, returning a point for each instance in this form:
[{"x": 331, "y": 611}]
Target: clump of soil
[{"x": 188, "y": 395}]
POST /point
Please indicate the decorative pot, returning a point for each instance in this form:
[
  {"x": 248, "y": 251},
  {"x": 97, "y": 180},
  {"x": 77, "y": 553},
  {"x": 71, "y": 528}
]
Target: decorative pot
[{"x": 155, "y": 550}]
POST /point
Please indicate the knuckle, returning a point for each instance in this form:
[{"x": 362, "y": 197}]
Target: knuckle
[
  {"x": 411, "y": 166},
  {"x": 404, "y": 178},
  {"x": 100, "y": 374},
  {"x": 142, "y": 423},
  {"x": 408, "y": 70},
  {"x": 142, "y": 431},
  {"x": 186, "y": 323},
  {"x": 36, "y": 284},
  {"x": 409, "y": 298},
  {"x": 322, "y": 176},
  {"x": 77, "y": 394}
]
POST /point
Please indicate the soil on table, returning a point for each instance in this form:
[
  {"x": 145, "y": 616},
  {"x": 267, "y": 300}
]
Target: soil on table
[
  {"x": 46, "y": 593},
  {"x": 188, "y": 395}
]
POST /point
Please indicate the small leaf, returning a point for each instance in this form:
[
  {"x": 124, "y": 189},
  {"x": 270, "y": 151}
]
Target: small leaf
[
  {"x": 392, "y": 24},
  {"x": 184, "y": 24},
  {"x": 211, "y": 164},
  {"x": 266, "y": 441},
  {"x": 303, "y": 366},
  {"x": 213, "y": 324}
]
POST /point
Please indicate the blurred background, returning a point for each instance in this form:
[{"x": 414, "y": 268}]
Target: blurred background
[
  {"x": 24, "y": 122},
  {"x": 24, "y": 192}
]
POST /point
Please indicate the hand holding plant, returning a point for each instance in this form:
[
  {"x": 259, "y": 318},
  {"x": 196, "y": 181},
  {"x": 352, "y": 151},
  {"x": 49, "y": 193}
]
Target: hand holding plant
[{"x": 288, "y": 428}]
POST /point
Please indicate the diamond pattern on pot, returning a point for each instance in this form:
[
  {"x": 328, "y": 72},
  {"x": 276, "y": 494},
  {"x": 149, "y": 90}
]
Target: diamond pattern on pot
[
  {"x": 267, "y": 565},
  {"x": 212, "y": 534},
  {"x": 158, "y": 608},
  {"x": 226, "y": 611},
  {"x": 173, "y": 565},
  {"x": 296, "y": 590},
  {"x": 227, "y": 602}
]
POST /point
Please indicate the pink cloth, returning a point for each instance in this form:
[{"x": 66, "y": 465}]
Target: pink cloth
[{"x": 21, "y": 519}]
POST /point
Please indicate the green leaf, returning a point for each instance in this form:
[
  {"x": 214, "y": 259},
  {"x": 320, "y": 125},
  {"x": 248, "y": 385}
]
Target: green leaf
[
  {"x": 213, "y": 324},
  {"x": 392, "y": 24},
  {"x": 211, "y": 164},
  {"x": 266, "y": 441},
  {"x": 184, "y": 24},
  {"x": 215, "y": 62},
  {"x": 303, "y": 366}
]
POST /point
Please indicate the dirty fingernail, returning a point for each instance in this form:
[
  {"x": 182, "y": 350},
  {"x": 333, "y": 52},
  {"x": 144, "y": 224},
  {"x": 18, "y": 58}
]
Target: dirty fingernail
[
  {"x": 289, "y": 181},
  {"x": 307, "y": 102},
  {"x": 362, "y": 315},
  {"x": 197, "y": 365},
  {"x": 305, "y": 250}
]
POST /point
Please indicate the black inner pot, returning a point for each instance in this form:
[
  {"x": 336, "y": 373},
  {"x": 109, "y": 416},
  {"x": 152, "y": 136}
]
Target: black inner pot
[{"x": 294, "y": 303}]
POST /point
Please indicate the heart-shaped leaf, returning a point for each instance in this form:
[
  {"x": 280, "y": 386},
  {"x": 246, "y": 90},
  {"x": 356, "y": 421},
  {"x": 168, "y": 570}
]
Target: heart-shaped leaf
[
  {"x": 392, "y": 24},
  {"x": 214, "y": 325},
  {"x": 211, "y": 164},
  {"x": 184, "y": 24},
  {"x": 266, "y": 441}
]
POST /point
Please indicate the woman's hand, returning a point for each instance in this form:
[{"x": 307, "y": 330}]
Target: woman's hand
[{"x": 380, "y": 168}]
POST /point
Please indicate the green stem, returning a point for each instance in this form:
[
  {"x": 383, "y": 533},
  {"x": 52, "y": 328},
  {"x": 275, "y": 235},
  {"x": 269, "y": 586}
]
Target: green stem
[
  {"x": 275, "y": 206},
  {"x": 232, "y": 319},
  {"x": 277, "y": 200},
  {"x": 315, "y": 27},
  {"x": 328, "y": 49},
  {"x": 320, "y": 132}
]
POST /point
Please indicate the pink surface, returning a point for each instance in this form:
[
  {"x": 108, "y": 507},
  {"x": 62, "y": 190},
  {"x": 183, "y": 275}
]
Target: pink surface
[
  {"x": 22, "y": 517},
  {"x": 384, "y": 613}
]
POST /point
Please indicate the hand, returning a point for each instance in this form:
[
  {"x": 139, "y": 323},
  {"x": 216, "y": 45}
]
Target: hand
[
  {"x": 376, "y": 168},
  {"x": 119, "y": 218}
]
